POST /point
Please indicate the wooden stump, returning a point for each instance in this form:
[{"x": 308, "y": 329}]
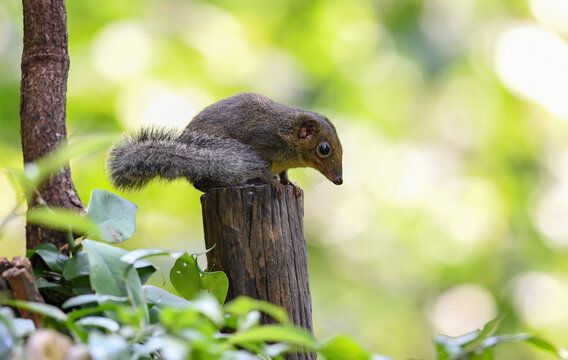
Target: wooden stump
[
  {"x": 259, "y": 243},
  {"x": 18, "y": 276}
]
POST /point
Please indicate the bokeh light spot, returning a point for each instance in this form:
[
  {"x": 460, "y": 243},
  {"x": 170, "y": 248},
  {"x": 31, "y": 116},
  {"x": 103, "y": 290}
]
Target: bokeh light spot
[
  {"x": 168, "y": 109},
  {"x": 540, "y": 299},
  {"x": 551, "y": 13},
  {"x": 5, "y": 30},
  {"x": 223, "y": 41},
  {"x": 532, "y": 62},
  {"x": 150, "y": 102},
  {"x": 364, "y": 52},
  {"x": 462, "y": 309},
  {"x": 121, "y": 50},
  {"x": 552, "y": 214}
]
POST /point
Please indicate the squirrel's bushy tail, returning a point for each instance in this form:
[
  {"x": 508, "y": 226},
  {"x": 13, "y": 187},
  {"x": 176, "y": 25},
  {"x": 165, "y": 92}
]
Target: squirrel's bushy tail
[{"x": 206, "y": 161}]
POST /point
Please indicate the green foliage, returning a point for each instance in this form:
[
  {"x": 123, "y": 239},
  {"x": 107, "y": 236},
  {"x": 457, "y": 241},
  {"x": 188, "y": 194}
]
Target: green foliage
[
  {"x": 343, "y": 348},
  {"x": 109, "y": 217},
  {"x": 61, "y": 219},
  {"x": 114, "y": 215},
  {"x": 109, "y": 275},
  {"x": 189, "y": 280},
  {"x": 478, "y": 345},
  {"x": 97, "y": 297},
  {"x": 26, "y": 181},
  {"x": 12, "y": 331}
]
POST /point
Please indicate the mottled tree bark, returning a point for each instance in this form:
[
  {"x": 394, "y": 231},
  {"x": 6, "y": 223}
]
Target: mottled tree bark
[
  {"x": 259, "y": 242},
  {"x": 45, "y": 65},
  {"x": 19, "y": 274}
]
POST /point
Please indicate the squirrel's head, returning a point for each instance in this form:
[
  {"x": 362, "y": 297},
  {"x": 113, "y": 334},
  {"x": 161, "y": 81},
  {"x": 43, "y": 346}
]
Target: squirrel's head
[{"x": 319, "y": 145}]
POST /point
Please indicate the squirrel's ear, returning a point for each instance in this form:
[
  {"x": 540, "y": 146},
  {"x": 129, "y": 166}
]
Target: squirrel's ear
[{"x": 308, "y": 129}]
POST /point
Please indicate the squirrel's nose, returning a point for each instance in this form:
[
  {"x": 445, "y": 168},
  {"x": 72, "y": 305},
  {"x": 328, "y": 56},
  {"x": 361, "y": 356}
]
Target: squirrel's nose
[{"x": 338, "y": 180}]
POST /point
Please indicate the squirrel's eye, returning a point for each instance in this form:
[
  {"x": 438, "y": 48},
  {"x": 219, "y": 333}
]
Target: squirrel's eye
[{"x": 324, "y": 149}]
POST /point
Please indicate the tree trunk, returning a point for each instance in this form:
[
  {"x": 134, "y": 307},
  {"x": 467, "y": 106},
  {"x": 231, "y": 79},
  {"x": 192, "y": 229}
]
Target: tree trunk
[
  {"x": 45, "y": 65},
  {"x": 259, "y": 242}
]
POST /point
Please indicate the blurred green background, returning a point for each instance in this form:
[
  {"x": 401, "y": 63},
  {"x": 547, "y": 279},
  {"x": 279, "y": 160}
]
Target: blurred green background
[{"x": 453, "y": 118}]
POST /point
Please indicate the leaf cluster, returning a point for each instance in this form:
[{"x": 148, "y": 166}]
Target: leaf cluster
[
  {"x": 96, "y": 295},
  {"x": 479, "y": 344}
]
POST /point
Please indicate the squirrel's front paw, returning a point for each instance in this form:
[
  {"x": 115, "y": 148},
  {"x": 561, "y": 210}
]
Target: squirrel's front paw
[
  {"x": 277, "y": 188},
  {"x": 297, "y": 189}
]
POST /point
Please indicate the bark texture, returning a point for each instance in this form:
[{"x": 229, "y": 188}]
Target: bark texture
[
  {"x": 45, "y": 66},
  {"x": 18, "y": 276},
  {"x": 259, "y": 243}
]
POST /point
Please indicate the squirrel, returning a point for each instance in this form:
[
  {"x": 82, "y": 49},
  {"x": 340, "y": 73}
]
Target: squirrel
[{"x": 243, "y": 139}]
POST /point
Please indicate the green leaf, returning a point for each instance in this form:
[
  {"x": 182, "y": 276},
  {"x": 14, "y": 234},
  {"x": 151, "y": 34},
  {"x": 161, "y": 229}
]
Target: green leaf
[
  {"x": 133, "y": 256},
  {"x": 176, "y": 348},
  {"x": 145, "y": 270},
  {"x": 81, "y": 285},
  {"x": 487, "y": 354},
  {"x": 249, "y": 320},
  {"x": 111, "y": 307},
  {"x": 43, "y": 284},
  {"x": 447, "y": 346},
  {"x": 202, "y": 252},
  {"x": 274, "y": 350},
  {"x": 111, "y": 276},
  {"x": 209, "y": 306},
  {"x": 23, "y": 327},
  {"x": 490, "y": 328},
  {"x": 530, "y": 339},
  {"x": 115, "y": 216},
  {"x": 99, "y": 321},
  {"x": 275, "y": 333},
  {"x": 185, "y": 276},
  {"x": 39, "y": 308},
  {"x": 92, "y": 298},
  {"x": 61, "y": 219},
  {"x": 6, "y": 342},
  {"x": 174, "y": 318},
  {"x": 150, "y": 346},
  {"x": 77, "y": 266},
  {"x": 35, "y": 173},
  {"x": 217, "y": 283},
  {"x": 243, "y": 305},
  {"x": 441, "y": 352},
  {"x": 107, "y": 347},
  {"x": 49, "y": 253},
  {"x": 160, "y": 297},
  {"x": 544, "y": 345},
  {"x": 343, "y": 348},
  {"x": 483, "y": 350}
]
